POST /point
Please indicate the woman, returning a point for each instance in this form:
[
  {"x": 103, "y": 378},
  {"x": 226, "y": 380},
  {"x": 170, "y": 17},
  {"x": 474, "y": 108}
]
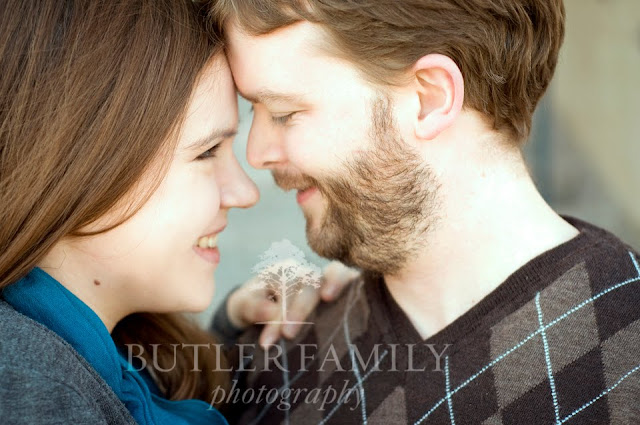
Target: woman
[{"x": 116, "y": 176}]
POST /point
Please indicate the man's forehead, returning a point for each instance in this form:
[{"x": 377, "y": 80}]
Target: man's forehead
[
  {"x": 293, "y": 40},
  {"x": 273, "y": 67}
]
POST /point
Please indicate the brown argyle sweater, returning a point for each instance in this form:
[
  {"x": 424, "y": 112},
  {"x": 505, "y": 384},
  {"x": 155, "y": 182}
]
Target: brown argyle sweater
[{"x": 558, "y": 342}]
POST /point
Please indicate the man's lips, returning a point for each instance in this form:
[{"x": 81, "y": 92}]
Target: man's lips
[
  {"x": 305, "y": 185},
  {"x": 304, "y": 195}
]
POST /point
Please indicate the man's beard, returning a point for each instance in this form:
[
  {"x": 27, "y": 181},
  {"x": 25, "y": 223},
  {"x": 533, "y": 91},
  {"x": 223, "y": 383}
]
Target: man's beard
[{"x": 380, "y": 209}]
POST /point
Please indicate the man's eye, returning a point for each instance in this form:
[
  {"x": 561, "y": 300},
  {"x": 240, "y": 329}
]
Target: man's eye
[
  {"x": 210, "y": 153},
  {"x": 281, "y": 120}
]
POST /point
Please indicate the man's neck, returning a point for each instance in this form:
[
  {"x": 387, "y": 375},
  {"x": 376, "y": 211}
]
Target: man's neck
[{"x": 485, "y": 232}]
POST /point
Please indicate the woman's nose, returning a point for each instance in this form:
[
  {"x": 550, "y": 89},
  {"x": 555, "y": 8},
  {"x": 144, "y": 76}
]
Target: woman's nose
[{"x": 238, "y": 190}]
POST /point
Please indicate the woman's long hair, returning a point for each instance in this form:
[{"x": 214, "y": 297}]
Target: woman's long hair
[{"x": 91, "y": 93}]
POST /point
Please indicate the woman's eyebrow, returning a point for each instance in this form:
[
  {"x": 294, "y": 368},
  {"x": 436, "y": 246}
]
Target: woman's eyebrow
[
  {"x": 267, "y": 96},
  {"x": 214, "y": 135}
]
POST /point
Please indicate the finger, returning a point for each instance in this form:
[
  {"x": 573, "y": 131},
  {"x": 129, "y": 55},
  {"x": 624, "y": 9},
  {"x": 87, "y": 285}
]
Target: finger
[
  {"x": 270, "y": 335},
  {"x": 261, "y": 310},
  {"x": 300, "y": 307},
  {"x": 336, "y": 276},
  {"x": 252, "y": 305}
]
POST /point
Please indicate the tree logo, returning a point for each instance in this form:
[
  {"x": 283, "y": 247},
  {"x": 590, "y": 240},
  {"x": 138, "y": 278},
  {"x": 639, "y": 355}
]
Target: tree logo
[{"x": 284, "y": 271}]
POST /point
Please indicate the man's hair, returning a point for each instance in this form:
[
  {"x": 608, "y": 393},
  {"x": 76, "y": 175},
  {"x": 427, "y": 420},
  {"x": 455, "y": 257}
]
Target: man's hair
[{"x": 507, "y": 50}]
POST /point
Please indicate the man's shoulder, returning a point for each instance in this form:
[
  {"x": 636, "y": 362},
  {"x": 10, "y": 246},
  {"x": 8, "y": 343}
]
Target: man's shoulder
[
  {"x": 595, "y": 262},
  {"x": 579, "y": 331},
  {"x": 596, "y": 274},
  {"x": 597, "y": 240},
  {"x": 606, "y": 263},
  {"x": 612, "y": 270}
]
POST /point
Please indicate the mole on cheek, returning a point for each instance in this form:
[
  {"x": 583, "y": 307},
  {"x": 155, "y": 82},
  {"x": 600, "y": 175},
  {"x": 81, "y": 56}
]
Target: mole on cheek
[{"x": 96, "y": 282}]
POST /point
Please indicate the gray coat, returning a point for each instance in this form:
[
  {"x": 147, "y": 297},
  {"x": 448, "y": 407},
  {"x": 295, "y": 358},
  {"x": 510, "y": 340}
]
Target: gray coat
[{"x": 43, "y": 380}]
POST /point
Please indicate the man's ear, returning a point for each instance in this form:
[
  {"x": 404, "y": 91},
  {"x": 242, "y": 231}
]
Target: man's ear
[{"x": 440, "y": 88}]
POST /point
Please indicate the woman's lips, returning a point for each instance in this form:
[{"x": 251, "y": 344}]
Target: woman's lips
[
  {"x": 212, "y": 255},
  {"x": 207, "y": 247},
  {"x": 303, "y": 195}
]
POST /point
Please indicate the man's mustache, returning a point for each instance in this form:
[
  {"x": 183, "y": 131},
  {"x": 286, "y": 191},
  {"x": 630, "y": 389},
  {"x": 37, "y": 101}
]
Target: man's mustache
[{"x": 287, "y": 180}]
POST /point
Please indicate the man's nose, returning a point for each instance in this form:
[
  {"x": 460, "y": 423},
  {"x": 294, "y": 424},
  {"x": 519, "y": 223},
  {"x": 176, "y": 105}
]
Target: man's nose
[{"x": 264, "y": 148}]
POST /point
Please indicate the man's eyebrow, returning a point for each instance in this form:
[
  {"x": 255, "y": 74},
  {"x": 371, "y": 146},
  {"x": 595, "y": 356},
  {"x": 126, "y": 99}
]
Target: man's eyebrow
[
  {"x": 268, "y": 96},
  {"x": 205, "y": 141}
]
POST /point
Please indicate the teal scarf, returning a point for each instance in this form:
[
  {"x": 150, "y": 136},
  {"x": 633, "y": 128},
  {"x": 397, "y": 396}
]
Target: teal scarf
[{"x": 43, "y": 299}]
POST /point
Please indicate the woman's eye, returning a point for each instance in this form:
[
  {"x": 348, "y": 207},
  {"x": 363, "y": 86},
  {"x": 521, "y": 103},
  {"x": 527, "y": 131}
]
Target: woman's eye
[
  {"x": 210, "y": 153},
  {"x": 281, "y": 120}
]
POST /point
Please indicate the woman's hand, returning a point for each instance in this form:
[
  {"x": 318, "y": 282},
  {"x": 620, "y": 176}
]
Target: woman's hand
[{"x": 248, "y": 305}]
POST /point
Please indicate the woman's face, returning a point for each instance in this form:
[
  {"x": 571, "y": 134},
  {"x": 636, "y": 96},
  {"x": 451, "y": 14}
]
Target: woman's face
[{"x": 163, "y": 258}]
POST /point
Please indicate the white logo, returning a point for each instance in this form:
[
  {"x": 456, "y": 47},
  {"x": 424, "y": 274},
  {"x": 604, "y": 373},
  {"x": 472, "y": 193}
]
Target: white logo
[{"x": 284, "y": 271}]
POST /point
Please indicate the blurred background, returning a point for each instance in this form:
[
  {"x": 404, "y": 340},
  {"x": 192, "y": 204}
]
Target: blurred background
[{"x": 583, "y": 151}]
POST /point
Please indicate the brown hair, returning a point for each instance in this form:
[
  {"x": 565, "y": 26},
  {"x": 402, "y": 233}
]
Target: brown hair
[
  {"x": 91, "y": 94},
  {"x": 507, "y": 50}
]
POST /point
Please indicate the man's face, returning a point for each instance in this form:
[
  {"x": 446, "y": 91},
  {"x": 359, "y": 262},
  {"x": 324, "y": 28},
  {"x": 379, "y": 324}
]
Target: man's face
[{"x": 322, "y": 130}]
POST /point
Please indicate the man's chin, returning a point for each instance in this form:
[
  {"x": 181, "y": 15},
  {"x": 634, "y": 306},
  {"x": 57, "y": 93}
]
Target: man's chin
[
  {"x": 313, "y": 227},
  {"x": 327, "y": 241},
  {"x": 325, "y": 236},
  {"x": 314, "y": 213}
]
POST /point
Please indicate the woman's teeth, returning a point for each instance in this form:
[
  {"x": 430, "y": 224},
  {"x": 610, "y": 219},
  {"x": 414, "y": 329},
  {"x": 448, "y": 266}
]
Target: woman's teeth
[{"x": 208, "y": 241}]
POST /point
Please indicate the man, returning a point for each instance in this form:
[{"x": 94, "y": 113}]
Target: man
[{"x": 400, "y": 124}]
